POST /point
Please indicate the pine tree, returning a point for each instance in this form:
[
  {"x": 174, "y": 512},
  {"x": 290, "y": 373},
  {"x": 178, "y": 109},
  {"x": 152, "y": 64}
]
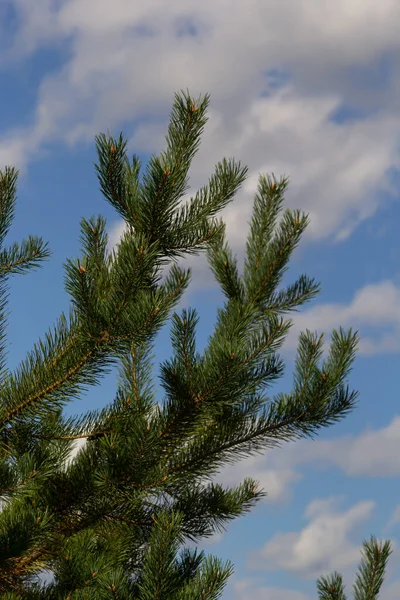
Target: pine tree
[
  {"x": 113, "y": 522},
  {"x": 369, "y": 578}
]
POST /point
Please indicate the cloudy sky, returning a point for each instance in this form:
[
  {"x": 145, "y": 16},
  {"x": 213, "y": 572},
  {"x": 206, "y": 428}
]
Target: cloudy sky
[{"x": 304, "y": 88}]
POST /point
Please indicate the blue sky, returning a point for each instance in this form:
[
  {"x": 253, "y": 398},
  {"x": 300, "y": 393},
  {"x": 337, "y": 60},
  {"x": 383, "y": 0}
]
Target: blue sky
[{"x": 297, "y": 88}]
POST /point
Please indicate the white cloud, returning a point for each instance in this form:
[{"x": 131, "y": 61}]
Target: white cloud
[
  {"x": 273, "y": 473},
  {"x": 79, "y": 444},
  {"x": 244, "y": 589},
  {"x": 127, "y": 59},
  {"x": 373, "y": 453},
  {"x": 374, "y": 311},
  {"x": 270, "y": 470},
  {"x": 394, "y": 519},
  {"x": 322, "y": 546},
  {"x": 38, "y": 24},
  {"x": 116, "y": 231}
]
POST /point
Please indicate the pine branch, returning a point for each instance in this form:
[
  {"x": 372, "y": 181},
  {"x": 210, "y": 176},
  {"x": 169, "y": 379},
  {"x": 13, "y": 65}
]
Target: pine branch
[
  {"x": 369, "y": 579},
  {"x": 111, "y": 522}
]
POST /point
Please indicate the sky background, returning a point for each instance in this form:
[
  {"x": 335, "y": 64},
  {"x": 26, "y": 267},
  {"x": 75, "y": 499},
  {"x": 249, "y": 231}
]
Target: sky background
[{"x": 303, "y": 88}]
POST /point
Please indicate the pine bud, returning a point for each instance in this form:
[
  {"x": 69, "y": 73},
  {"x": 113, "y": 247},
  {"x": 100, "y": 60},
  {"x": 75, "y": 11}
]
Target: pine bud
[
  {"x": 82, "y": 269},
  {"x": 112, "y": 148},
  {"x": 272, "y": 186},
  {"x": 323, "y": 376},
  {"x": 194, "y": 108},
  {"x": 167, "y": 171}
]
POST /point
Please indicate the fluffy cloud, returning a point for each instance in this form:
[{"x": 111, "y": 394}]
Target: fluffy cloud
[
  {"x": 374, "y": 311},
  {"x": 394, "y": 519},
  {"x": 321, "y": 547},
  {"x": 77, "y": 447},
  {"x": 245, "y": 589},
  {"x": 274, "y": 474},
  {"x": 125, "y": 61},
  {"x": 369, "y": 454},
  {"x": 373, "y": 453}
]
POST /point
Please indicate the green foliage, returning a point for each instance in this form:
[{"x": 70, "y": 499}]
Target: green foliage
[
  {"x": 369, "y": 579},
  {"x": 112, "y": 523}
]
